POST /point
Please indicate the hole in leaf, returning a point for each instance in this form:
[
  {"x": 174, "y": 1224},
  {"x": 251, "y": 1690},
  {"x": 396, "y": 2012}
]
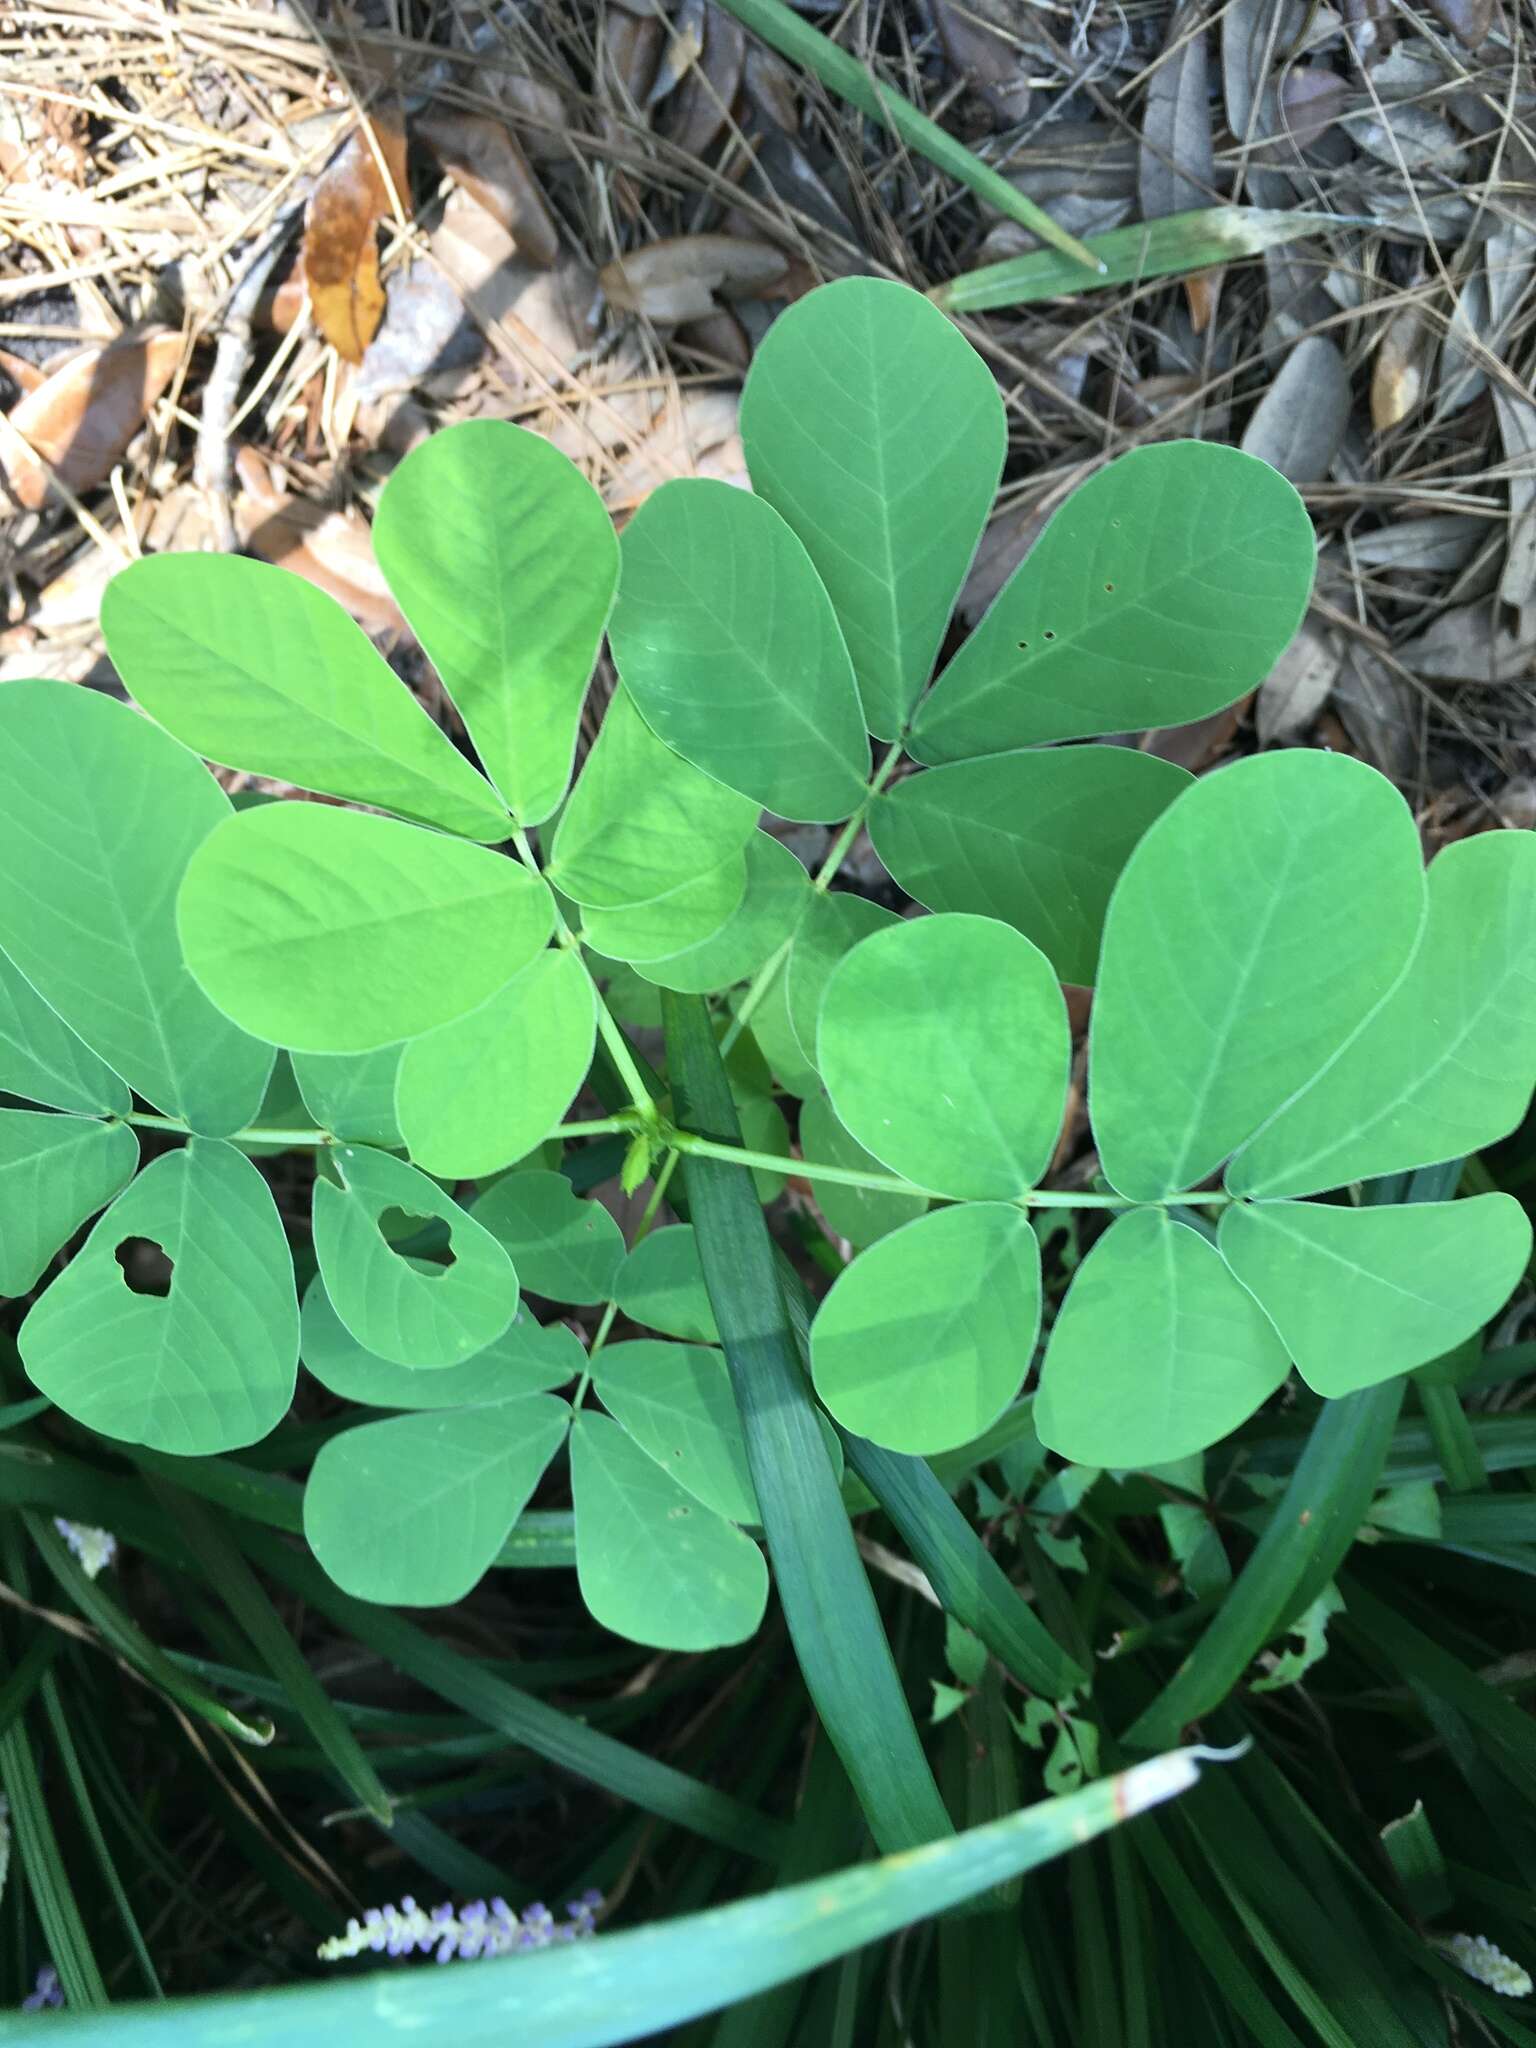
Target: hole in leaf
[
  {"x": 1109, "y": 587},
  {"x": 147, "y": 1266},
  {"x": 1024, "y": 645},
  {"x": 398, "y": 1226},
  {"x": 1050, "y": 636}
]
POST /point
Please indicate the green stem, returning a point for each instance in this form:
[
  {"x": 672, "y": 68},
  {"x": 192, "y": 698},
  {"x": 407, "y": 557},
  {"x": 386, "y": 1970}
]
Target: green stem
[
  {"x": 265, "y": 1134},
  {"x": 837, "y": 852}
]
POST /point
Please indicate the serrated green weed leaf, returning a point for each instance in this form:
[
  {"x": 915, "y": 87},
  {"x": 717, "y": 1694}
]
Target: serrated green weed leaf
[
  {"x": 42, "y": 1060},
  {"x": 1360, "y": 1295},
  {"x": 392, "y": 1308},
  {"x": 206, "y": 1368},
  {"x": 352, "y": 1094},
  {"x": 775, "y": 898},
  {"x": 504, "y": 559},
  {"x": 661, "y": 1284},
  {"x": 525, "y": 1359},
  {"x": 259, "y": 669},
  {"x": 55, "y": 1171},
  {"x": 563, "y": 1247},
  {"x": 1037, "y": 839},
  {"x": 859, "y": 1214},
  {"x": 1165, "y": 587},
  {"x": 924, "y": 1340},
  {"x": 875, "y": 429},
  {"x": 482, "y": 1091},
  {"x": 653, "y": 1563},
  {"x": 1256, "y": 926},
  {"x": 1157, "y": 1352},
  {"x": 834, "y": 922},
  {"x": 414, "y": 1510},
  {"x": 100, "y": 814},
  {"x": 333, "y": 931},
  {"x": 726, "y": 640},
  {"x": 944, "y": 1048},
  {"x": 675, "y": 1400},
  {"x": 1447, "y": 1064}
]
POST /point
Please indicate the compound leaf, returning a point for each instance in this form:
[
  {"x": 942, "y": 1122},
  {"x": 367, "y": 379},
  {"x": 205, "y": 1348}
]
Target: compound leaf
[
  {"x": 944, "y": 1047},
  {"x": 390, "y": 1306},
  {"x": 482, "y": 1091},
  {"x": 54, "y": 1172},
  {"x": 563, "y": 1247},
  {"x": 1158, "y": 1352},
  {"x": 352, "y": 1094},
  {"x": 333, "y": 931},
  {"x": 653, "y": 1563},
  {"x": 859, "y": 1214},
  {"x": 100, "y": 813},
  {"x": 1163, "y": 588},
  {"x": 775, "y": 899},
  {"x": 42, "y": 1060},
  {"x": 726, "y": 639},
  {"x": 1447, "y": 1063},
  {"x": 258, "y": 668},
  {"x": 834, "y": 922},
  {"x": 675, "y": 1400},
  {"x": 525, "y": 1359},
  {"x": 661, "y": 1285},
  {"x": 1254, "y": 929},
  {"x": 641, "y": 819},
  {"x": 924, "y": 1340},
  {"x": 209, "y": 1366},
  {"x": 875, "y": 429},
  {"x": 1037, "y": 839},
  {"x": 1360, "y": 1295},
  {"x": 414, "y": 1510},
  {"x": 505, "y": 561}
]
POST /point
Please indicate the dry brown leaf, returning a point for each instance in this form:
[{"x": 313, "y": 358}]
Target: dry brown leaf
[
  {"x": 1311, "y": 99},
  {"x": 1470, "y": 644},
  {"x": 425, "y": 329},
  {"x": 1517, "y": 426},
  {"x": 1299, "y": 423},
  {"x": 1202, "y": 292},
  {"x": 685, "y": 276},
  {"x": 695, "y": 434},
  {"x": 1298, "y": 685},
  {"x": 1379, "y": 711},
  {"x": 719, "y": 338},
  {"x": 982, "y": 42},
  {"x": 1178, "y": 164},
  {"x": 1397, "y": 381},
  {"x": 484, "y": 159},
  {"x": 341, "y": 255},
  {"x": 701, "y": 105},
  {"x": 1200, "y": 745},
  {"x": 1468, "y": 20},
  {"x": 333, "y": 550},
  {"x": 82, "y": 416}
]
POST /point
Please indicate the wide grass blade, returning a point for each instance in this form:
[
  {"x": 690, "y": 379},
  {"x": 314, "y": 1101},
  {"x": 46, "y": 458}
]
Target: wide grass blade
[
  {"x": 831, "y": 1612},
  {"x": 624, "y": 1987}
]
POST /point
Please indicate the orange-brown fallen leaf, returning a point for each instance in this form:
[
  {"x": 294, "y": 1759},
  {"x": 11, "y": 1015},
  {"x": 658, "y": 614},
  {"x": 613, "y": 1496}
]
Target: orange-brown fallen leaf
[
  {"x": 341, "y": 256},
  {"x": 83, "y": 414}
]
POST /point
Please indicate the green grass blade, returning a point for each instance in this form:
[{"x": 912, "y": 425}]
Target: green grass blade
[
  {"x": 69, "y": 1945},
  {"x": 236, "y": 1584},
  {"x": 784, "y": 30},
  {"x": 969, "y": 1581},
  {"x": 623, "y": 1771},
  {"x": 1147, "y": 249},
  {"x": 621, "y": 1987},
  {"x": 831, "y": 1612}
]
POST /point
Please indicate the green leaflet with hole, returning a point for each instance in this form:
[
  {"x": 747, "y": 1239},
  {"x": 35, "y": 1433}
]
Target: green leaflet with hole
[
  {"x": 641, "y": 820},
  {"x": 859, "y": 1214},
  {"x": 333, "y": 931},
  {"x": 944, "y": 1049},
  {"x": 413, "y": 1511},
  {"x": 485, "y": 1089},
  {"x": 563, "y": 1247},
  {"x": 42, "y": 1060},
  {"x": 661, "y": 1284},
  {"x": 259, "y": 669},
  {"x": 1448, "y": 1062},
  {"x": 726, "y": 640},
  {"x": 524, "y": 1359},
  {"x": 352, "y": 1094},
  {"x": 504, "y": 559},
  {"x": 653, "y": 1563},
  {"x": 877, "y": 431},
  {"x": 1157, "y": 1351},
  {"x": 391, "y": 1307},
  {"x": 210, "y": 1366},
  {"x": 1360, "y": 1295},
  {"x": 775, "y": 899},
  {"x": 88, "y": 891},
  {"x": 1165, "y": 587},
  {"x": 1036, "y": 838},
  {"x": 925, "y": 1339},
  {"x": 55, "y": 1171},
  {"x": 1257, "y": 925},
  {"x": 675, "y": 1401}
]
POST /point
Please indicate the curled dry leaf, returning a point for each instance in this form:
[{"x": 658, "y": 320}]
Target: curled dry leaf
[
  {"x": 1298, "y": 685},
  {"x": 83, "y": 414},
  {"x": 686, "y": 276},
  {"x": 1397, "y": 381},
  {"x": 341, "y": 256},
  {"x": 1299, "y": 423},
  {"x": 332, "y": 549},
  {"x": 484, "y": 159},
  {"x": 702, "y": 103}
]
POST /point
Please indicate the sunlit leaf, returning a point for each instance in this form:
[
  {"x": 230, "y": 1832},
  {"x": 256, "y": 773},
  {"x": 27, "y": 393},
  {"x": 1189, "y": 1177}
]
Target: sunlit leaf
[
  {"x": 661, "y": 1285},
  {"x": 776, "y": 897},
  {"x": 55, "y": 1171},
  {"x": 693, "y": 913},
  {"x": 675, "y": 1400},
  {"x": 859, "y": 1214},
  {"x": 352, "y": 1094},
  {"x": 42, "y": 1060},
  {"x": 834, "y": 922},
  {"x": 563, "y": 1247}
]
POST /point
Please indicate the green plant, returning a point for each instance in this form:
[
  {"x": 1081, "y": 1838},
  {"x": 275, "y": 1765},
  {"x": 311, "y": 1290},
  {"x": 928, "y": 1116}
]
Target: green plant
[{"x": 415, "y": 1001}]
